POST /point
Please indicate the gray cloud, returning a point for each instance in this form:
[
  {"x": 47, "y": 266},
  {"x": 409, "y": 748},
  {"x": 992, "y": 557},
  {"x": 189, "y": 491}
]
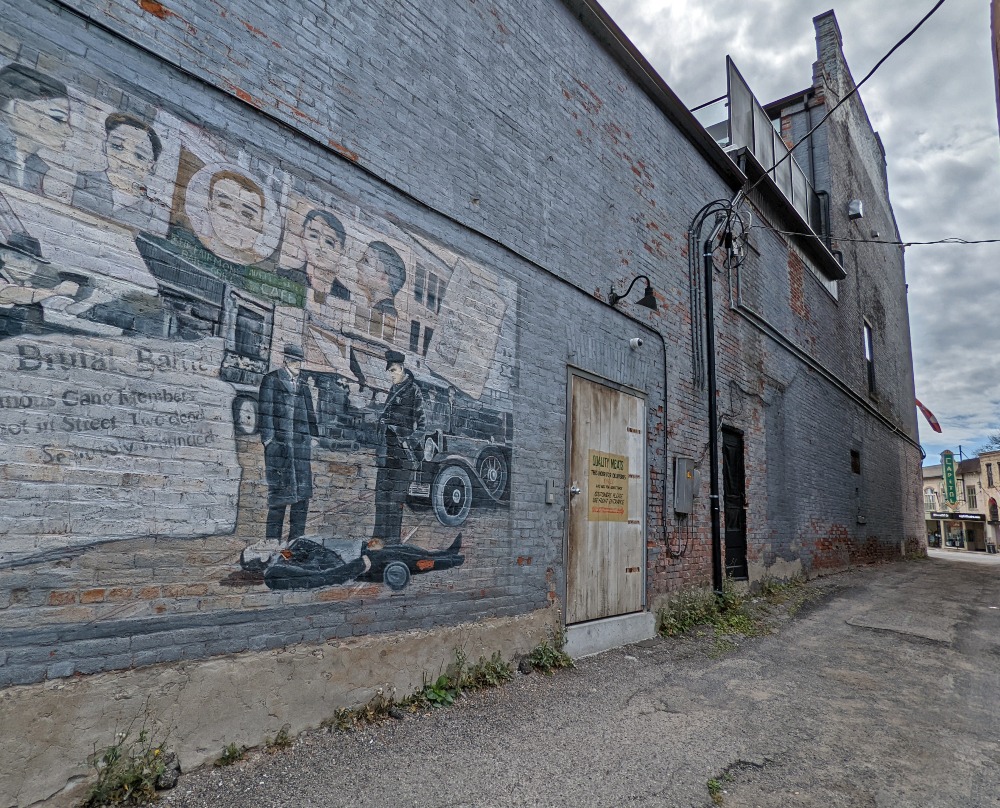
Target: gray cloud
[{"x": 934, "y": 105}]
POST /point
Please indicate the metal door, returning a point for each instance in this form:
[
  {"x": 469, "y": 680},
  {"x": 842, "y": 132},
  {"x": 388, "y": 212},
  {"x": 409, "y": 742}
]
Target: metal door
[
  {"x": 607, "y": 504},
  {"x": 734, "y": 504}
]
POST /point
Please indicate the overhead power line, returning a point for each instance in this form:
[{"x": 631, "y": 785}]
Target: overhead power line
[{"x": 949, "y": 240}]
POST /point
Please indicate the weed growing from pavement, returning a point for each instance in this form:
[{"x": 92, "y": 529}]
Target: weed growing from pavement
[
  {"x": 734, "y": 612},
  {"x": 127, "y": 770},
  {"x": 461, "y": 676},
  {"x": 549, "y": 658},
  {"x": 717, "y": 786},
  {"x": 792, "y": 594},
  {"x": 230, "y": 755},
  {"x": 715, "y": 791},
  {"x": 492, "y": 672},
  {"x": 282, "y": 739},
  {"x": 443, "y": 691},
  {"x": 380, "y": 707}
]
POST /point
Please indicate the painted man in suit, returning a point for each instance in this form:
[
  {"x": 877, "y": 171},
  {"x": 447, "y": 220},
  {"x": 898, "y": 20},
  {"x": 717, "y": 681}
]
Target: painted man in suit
[
  {"x": 401, "y": 431},
  {"x": 287, "y": 427}
]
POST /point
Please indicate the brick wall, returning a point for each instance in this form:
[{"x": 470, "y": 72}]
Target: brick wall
[{"x": 516, "y": 173}]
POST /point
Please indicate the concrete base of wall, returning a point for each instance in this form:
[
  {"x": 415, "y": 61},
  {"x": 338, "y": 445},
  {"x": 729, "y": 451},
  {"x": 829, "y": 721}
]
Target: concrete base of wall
[
  {"x": 601, "y": 635},
  {"x": 201, "y": 707}
]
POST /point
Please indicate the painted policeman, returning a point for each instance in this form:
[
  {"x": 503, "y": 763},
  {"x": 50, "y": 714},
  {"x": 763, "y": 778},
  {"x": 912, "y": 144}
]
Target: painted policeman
[
  {"x": 287, "y": 427},
  {"x": 400, "y": 431}
]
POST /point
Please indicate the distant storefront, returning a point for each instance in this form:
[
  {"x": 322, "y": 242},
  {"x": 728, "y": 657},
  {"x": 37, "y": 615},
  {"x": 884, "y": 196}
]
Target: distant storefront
[{"x": 956, "y": 530}]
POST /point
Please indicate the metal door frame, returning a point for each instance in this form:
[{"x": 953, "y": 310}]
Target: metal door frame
[
  {"x": 572, "y": 371},
  {"x": 743, "y": 463}
]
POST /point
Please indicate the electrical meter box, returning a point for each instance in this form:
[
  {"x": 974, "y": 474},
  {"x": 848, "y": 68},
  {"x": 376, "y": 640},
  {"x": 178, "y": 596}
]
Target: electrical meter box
[{"x": 685, "y": 482}]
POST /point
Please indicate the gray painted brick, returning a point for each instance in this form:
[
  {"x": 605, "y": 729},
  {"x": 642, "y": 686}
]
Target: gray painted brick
[
  {"x": 61, "y": 670},
  {"x": 514, "y": 124}
]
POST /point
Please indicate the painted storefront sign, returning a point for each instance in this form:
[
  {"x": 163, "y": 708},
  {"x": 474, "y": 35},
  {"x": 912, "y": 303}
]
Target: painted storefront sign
[{"x": 950, "y": 483}]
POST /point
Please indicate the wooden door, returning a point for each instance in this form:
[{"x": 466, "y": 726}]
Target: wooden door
[{"x": 607, "y": 504}]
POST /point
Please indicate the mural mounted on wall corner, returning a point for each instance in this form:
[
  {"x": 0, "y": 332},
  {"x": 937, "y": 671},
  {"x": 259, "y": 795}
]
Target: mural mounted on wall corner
[{"x": 197, "y": 343}]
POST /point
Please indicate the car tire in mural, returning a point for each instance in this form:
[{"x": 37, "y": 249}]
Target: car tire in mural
[
  {"x": 451, "y": 495},
  {"x": 396, "y": 575},
  {"x": 457, "y": 473},
  {"x": 492, "y": 467}
]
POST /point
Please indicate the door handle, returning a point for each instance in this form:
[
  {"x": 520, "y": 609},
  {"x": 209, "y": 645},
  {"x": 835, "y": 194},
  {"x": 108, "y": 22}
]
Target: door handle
[{"x": 574, "y": 490}]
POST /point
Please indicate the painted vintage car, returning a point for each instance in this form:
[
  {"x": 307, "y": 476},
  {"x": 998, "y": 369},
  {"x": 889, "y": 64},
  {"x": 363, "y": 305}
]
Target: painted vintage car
[{"x": 456, "y": 471}]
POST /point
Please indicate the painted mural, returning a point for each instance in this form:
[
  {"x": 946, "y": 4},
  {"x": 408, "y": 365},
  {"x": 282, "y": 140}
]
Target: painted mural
[{"x": 196, "y": 342}]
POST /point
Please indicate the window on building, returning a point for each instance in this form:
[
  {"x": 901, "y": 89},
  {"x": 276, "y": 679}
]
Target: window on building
[
  {"x": 870, "y": 357},
  {"x": 970, "y": 496},
  {"x": 989, "y": 475},
  {"x": 855, "y": 461},
  {"x": 249, "y": 333},
  {"x": 994, "y": 516}
]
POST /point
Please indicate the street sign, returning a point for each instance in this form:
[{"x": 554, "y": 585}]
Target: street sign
[{"x": 950, "y": 484}]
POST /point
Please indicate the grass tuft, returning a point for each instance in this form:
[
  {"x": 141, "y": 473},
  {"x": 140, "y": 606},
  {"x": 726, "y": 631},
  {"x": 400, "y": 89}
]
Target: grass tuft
[{"x": 732, "y": 613}]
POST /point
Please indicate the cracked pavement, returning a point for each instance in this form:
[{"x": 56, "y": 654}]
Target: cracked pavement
[{"x": 883, "y": 690}]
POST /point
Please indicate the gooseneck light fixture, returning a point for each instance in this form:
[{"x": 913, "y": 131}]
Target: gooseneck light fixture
[{"x": 646, "y": 300}]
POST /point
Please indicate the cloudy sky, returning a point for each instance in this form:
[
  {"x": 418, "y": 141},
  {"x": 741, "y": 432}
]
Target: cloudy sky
[{"x": 934, "y": 105}]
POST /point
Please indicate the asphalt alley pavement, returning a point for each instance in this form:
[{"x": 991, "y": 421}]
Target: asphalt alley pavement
[{"x": 882, "y": 690}]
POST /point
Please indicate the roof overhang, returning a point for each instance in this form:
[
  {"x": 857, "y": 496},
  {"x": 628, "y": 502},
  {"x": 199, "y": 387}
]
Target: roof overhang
[{"x": 800, "y": 231}]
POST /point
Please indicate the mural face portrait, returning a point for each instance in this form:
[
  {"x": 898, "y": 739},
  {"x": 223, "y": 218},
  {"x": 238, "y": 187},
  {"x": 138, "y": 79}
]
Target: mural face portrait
[
  {"x": 35, "y": 108},
  {"x": 323, "y": 241},
  {"x": 232, "y": 215},
  {"x": 236, "y": 210},
  {"x": 322, "y": 244},
  {"x": 371, "y": 273},
  {"x": 131, "y": 149},
  {"x": 39, "y": 124},
  {"x": 396, "y": 373},
  {"x": 381, "y": 274}
]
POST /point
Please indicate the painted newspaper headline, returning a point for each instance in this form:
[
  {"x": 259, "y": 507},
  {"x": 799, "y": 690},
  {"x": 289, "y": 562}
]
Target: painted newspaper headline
[{"x": 197, "y": 344}]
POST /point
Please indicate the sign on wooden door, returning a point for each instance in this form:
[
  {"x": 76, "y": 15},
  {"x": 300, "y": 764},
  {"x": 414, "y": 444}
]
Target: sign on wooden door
[{"x": 607, "y": 505}]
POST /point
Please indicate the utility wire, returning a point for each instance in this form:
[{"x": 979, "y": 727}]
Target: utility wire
[
  {"x": 709, "y": 103},
  {"x": 950, "y": 240},
  {"x": 837, "y": 106}
]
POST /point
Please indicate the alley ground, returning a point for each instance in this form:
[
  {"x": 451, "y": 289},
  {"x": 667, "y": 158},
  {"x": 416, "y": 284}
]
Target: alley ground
[{"x": 882, "y": 690}]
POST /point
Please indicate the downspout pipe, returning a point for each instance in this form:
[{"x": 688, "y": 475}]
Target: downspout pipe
[{"x": 713, "y": 414}]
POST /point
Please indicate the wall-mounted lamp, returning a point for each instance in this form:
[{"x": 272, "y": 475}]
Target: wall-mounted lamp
[
  {"x": 646, "y": 300},
  {"x": 855, "y": 209}
]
